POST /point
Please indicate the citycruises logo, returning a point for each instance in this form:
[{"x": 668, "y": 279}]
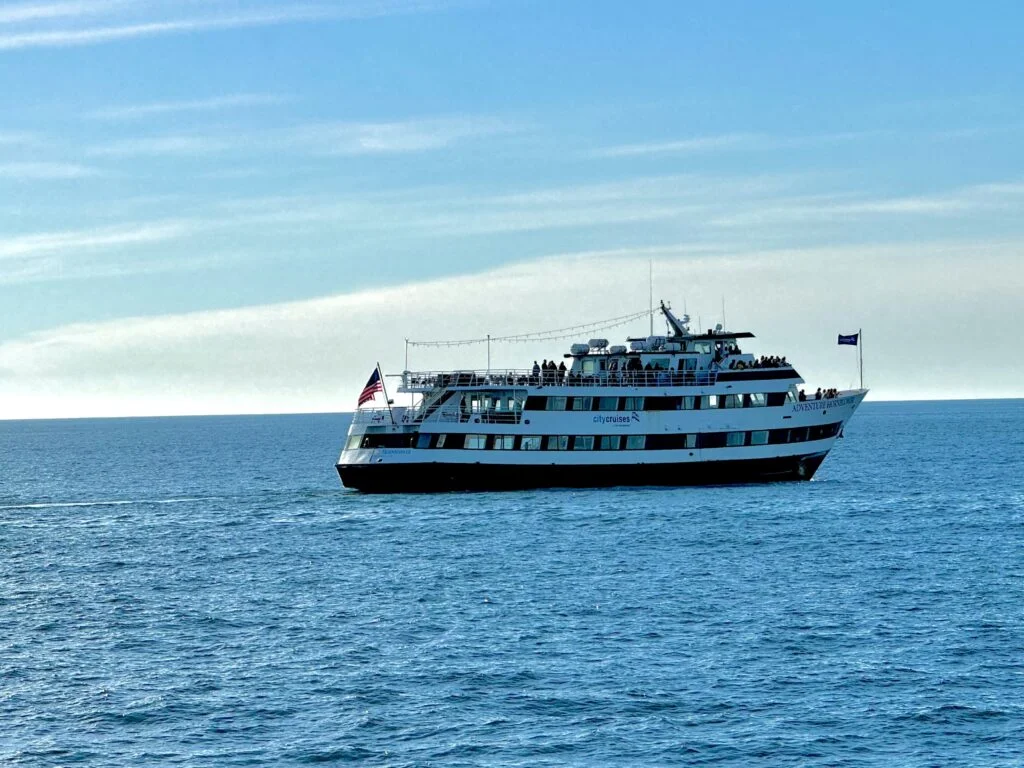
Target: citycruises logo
[{"x": 619, "y": 419}]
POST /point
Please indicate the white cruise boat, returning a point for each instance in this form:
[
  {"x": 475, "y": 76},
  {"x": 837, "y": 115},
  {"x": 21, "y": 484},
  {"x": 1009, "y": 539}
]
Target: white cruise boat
[{"x": 682, "y": 409}]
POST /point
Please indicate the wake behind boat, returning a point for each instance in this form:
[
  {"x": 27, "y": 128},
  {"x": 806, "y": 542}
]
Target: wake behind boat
[{"x": 681, "y": 409}]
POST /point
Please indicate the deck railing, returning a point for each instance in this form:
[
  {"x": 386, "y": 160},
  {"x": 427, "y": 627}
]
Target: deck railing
[{"x": 426, "y": 381}]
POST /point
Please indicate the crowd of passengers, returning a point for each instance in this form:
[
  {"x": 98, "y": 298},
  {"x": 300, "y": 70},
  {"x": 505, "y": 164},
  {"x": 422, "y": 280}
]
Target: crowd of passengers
[
  {"x": 826, "y": 394},
  {"x": 765, "y": 361}
]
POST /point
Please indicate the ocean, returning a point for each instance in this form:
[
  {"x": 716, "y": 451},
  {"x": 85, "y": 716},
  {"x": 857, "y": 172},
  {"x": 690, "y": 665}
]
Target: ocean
[{"x": 203, "y": 592}]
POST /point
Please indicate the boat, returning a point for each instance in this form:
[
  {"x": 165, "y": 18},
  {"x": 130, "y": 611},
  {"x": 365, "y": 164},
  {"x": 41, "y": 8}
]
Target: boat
[{"x": 684, "y": 408}]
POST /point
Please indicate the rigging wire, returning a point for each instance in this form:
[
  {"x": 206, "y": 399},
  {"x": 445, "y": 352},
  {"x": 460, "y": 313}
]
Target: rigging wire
[{"x": 551, "y": 335}]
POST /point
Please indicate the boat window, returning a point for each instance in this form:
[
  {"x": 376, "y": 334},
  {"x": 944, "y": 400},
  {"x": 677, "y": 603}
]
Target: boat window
[
  {"x": 504, "y": 442},
  {"x": 440, "y": 441},
  {"x": 798, "y": 435},
  {"x": 690, "y": 441},
  {"x": 632, "y": 403},
  {"x": 423, "y": 441},
  {"x": 702, "y": 347},
  {"x": 583, "y": 443},
  {"x": 610, "y": 442},
  {"x": 730, "y": 401},
  {"x": 661, "y": 404},
  {"x": 530, "y": 443},
  {"x": 536, "y": 403},
  {"x": 353, "y": 442},
  {"x": 635, "y": 442},
  {"x": 556, "y": 403},
  {"x": 660, "y": 364},
  {"x": 710, "y": 401},
  {"x": 591, "y": 364},
  {"x": 712, "y": 440},
  {"x": 759, "y": 438},
  {"x": 558, "y": 442},
  {"x": 687, "y": 403},
  {"x": 755, "y": 400},
  {"x": 775, "y": 399},
  {"x": 582, "y": 403},
  {"x": 607, "y": 403},
  {"x": 734, "y": 439},
  {"x": 476, "y": 442}
]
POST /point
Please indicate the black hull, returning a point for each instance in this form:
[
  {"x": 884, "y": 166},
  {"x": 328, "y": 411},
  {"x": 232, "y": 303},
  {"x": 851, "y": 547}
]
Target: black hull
[{"x": 434, "y": 476}]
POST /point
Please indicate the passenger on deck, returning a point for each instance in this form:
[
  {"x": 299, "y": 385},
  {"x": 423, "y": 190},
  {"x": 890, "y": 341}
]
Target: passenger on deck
[
  {"x": 561, "y": 372},
  {"x": 817, "y": 395},
  {"x": 802, "y": 396}
]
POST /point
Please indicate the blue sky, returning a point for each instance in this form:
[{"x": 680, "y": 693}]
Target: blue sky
[{"x": 173, "y": 160}]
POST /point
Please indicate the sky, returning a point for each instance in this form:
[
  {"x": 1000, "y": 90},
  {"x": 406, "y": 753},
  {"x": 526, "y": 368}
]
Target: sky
[{"x": 242, "y": 206}]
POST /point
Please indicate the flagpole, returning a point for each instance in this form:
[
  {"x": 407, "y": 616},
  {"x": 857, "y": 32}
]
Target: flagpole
[
  {"x": 860, "y": 352},
  {"x": 385, "y": 391}
]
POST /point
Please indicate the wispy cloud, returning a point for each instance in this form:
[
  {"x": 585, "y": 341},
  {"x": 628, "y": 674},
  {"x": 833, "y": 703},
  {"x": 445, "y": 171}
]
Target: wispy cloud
[
  {"x": 39, "y": 25},
  {"x": 162, "y": 145},
  {"x": 729, "y": 142},
  {"x": 335, "y": 138},
  {"x": 214, "y": 104},
  {"x": 73, "y": 241},
  {"x": 363, "y": 138},
  {"x": 24, "y": 12},
  {"x": 43, "y": 171},
  {"x": 694, "y": 144}
]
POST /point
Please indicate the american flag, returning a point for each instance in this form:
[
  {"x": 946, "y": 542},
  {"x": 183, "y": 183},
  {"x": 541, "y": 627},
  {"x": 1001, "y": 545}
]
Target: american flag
[{"x": 373, "y": 386}]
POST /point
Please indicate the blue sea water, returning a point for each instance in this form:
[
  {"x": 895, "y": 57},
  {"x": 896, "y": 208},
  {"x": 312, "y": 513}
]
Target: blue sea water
[{"x": 202, "y": 592}]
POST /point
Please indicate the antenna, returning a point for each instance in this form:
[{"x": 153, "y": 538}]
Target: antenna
[{"x": 650, "y": 284}]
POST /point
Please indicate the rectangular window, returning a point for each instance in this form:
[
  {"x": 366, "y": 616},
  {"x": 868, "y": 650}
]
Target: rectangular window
[
  {"x": 635, "y": 442},
  {"x": 608, "y": 404},
  {"x": 776, "y": 399},
  {"x": 423, "y": 441},
  {"x": 660, "y": 364},
  {"x": 661, "y": 404},
  {"x": 504, "y": 442},
  {"x": 440, "y": 441},
  {"x": 530, "y": 443},
  {"x": 665, "y": 442},
  {"x": 536, "y": 403},
  {"x": 476, "y": 442},
  {"x": 791, "y": 397},
  {"x": 798, "y": 435},
  {"x": 710, "y": 401},
  {"x": 734, "y": 439},
  {"x": 687, "y": 403},
  {"x": 558, "y": 443},
  {"x": 556, "y": 404},
  {"x": 759, "y": 438},
  {"x": 610, "y": 442},
  {"x": 730, "y": 401},
  {"x": 712, "y": 440},
  {"x": 690, "y": 441},
  {"x": 755, "y": 400},
  {"x": 353, "y": 442},
  {"x": 582, "y": 403},
  {"x": 583, "y": 443},
  {"x": 632, "y": 403}
]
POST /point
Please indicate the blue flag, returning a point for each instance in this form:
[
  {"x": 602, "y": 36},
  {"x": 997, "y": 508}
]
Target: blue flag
[{"x": 851, "y": 339}]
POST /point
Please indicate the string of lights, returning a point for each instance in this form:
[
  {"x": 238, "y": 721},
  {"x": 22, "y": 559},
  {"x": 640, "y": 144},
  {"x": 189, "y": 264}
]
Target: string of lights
[{"x": 552, "y": 335}]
